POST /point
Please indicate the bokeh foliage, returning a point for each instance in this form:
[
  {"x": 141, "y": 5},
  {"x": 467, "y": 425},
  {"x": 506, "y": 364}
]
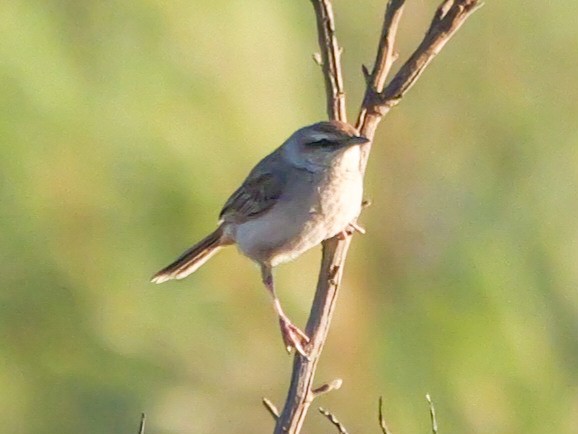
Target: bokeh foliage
[{"x": 123, "y": 127}]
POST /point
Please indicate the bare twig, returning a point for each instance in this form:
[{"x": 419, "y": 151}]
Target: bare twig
[
  {"x": 340, "y": 428},
  {"x": 375, "y": 81},
  {"x": 327, "y": 387},
  {"x": 299, "y": 396},
  {"x": 449, "y": 17},
  {"x": 377, "y": 103},
  {"x": 271, "y": 408},
  {"x": 330, "y": 59},
  {"x": 141, "y": 427},
  {"x": 381, "y": 418},
  {"x": 432, "y": 413}
]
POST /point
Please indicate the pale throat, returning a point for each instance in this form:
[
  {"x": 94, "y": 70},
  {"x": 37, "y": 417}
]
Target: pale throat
[{"x": 348, "y": 161}]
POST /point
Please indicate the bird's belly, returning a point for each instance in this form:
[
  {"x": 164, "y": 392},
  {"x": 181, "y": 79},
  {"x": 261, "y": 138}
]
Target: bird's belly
[{"x": 293, "y": 226}]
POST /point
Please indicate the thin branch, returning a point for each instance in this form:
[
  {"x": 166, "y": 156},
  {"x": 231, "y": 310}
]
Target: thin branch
[
  {"x": 330, "y": 59},
  {"x": 381, "y": 418},
  {"x": 448, "y": 18},
  {"x": 326, "y": 388},
  {"x": 375, "y": 81},
  {"x": 432, "y": 413},
  {"x": 270, "y": 408},
  {"x": 386, "y": 50},
  {"x": 340, "y": 428},
  {"x": 299, "y": 396},
  {"x": 141, "y": 427}
]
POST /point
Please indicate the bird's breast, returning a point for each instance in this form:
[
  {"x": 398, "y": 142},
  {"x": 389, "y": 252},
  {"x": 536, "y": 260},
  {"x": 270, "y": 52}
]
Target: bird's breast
[{"x": 314, "y": 207}]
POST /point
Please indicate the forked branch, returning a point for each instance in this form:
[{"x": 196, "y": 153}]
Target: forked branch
[{"x": 378, "y": 100}]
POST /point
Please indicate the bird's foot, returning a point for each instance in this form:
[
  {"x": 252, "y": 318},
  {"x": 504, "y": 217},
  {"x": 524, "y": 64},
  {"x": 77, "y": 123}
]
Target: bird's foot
[{"x": 293, "y": 337}]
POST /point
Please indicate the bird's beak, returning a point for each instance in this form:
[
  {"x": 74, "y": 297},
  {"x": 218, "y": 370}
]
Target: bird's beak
[{"x": 357, "y": 140}]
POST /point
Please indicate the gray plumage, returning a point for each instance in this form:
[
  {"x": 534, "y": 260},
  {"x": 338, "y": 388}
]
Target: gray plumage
[{"x": 307, "y": 190}]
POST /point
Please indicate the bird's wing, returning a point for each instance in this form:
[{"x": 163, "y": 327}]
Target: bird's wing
[{"x": 258, "y": 193}]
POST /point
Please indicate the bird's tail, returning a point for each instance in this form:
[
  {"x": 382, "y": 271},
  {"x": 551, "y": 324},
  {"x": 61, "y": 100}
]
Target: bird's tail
[{"x": 192, "y": 258}]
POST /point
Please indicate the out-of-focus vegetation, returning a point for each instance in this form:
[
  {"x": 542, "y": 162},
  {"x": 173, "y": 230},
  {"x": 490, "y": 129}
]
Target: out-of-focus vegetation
[{"x": 124, "y": 125}]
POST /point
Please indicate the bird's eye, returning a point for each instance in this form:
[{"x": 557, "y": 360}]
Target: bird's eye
[{"x": 323, "y": 143}]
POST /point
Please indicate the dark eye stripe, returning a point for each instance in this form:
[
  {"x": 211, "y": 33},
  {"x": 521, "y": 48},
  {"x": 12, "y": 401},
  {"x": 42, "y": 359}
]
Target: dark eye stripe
[{"x": 323, "y": 143}]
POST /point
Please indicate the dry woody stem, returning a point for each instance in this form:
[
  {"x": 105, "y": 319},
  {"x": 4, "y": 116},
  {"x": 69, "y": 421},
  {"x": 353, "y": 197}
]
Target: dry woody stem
[
  {"x": 381, "y": 418},
  {"x": 334, "y": 421},
  {"x": 141, "y": 426},
  {"x": 330, "y": 59},
  {"x": 379, "y": 98}
]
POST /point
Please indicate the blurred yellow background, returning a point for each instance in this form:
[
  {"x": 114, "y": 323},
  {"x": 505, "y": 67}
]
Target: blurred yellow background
[{"x": 124, "y": 125}]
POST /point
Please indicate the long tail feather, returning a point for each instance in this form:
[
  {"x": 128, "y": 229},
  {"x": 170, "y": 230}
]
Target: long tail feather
[{"x": 192, "y": 258}]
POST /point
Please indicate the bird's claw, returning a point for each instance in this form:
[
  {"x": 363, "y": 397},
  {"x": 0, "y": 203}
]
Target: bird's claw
[{"x": 293, "y": 337}]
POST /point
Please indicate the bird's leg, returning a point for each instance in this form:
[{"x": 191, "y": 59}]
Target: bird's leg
[{"x": 293, "y": 337}]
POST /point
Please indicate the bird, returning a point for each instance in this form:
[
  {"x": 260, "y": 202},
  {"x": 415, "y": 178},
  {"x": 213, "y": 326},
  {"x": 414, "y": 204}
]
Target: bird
[{"x": 306, "y": 191}]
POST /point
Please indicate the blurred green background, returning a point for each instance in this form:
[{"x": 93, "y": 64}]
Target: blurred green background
[{"x": 124, "y": 125}]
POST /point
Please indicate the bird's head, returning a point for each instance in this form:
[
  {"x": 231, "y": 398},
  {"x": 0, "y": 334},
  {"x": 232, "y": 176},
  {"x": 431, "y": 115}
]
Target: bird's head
[{"x": 319, "y": 145}]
